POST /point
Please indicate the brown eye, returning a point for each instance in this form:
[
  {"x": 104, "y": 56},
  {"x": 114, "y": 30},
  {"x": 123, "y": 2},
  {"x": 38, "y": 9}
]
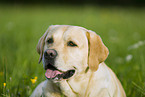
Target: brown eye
[
  {"x": 72, "y": 44},
  {"x": 50, "y": 40}
]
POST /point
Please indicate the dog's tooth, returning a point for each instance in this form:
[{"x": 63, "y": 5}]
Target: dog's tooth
[{"x": 56, "y": 78}]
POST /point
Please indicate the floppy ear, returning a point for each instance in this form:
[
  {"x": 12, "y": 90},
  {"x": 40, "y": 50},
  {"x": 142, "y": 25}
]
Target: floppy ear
[
  {"x": 98, "y": 52},
  {"x": 40, "y": 45}
]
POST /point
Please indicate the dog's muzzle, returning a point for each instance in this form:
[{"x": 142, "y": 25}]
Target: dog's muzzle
[{"x": 51, "y": 71}]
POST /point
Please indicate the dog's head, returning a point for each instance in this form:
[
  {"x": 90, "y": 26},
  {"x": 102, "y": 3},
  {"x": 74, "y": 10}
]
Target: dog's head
[{"x": 68, "y": 50}]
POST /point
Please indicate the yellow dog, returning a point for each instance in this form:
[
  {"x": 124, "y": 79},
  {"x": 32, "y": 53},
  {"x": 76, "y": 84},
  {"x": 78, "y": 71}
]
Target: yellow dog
[{"x": 73, "y": 58}]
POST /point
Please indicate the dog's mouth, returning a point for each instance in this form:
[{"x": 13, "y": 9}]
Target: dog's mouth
[{"x": 55, "y": 74}]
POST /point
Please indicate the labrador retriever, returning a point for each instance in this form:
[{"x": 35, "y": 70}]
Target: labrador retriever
[{"x": 73, "y": 58}]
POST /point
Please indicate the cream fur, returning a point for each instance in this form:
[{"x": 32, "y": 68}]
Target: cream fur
[{"x": 98, "y": 82}]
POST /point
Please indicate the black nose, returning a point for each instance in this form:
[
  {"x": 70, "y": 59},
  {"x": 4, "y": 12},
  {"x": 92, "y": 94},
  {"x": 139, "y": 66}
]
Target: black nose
[{"x": 50, "y": 53}]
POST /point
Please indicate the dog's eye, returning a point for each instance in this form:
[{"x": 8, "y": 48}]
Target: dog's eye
[
  {"x": 50, "y": 40},
  {"x": 72, "y": 44}
]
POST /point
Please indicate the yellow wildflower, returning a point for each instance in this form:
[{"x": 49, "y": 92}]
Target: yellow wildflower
[
  {"x": 4, "y": 84},
  {"x": 33, "y": 80},
  {"x": 35, "y": 77}
]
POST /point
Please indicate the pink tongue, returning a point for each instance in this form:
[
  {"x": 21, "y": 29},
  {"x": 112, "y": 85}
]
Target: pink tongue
[{"x": 51, "y": 73}]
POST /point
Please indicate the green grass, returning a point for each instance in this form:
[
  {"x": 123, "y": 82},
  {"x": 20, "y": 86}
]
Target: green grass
[{"x": 22, "y": 26}]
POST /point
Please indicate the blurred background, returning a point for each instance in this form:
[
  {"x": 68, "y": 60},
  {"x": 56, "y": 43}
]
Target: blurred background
[
  {"x": 78, "y": 2},
  {"x": 120, "y": 23}
]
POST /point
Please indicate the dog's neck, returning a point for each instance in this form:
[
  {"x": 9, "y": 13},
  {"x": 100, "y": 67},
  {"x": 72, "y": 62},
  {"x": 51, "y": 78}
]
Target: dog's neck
[{"x": 71, "y": 87}]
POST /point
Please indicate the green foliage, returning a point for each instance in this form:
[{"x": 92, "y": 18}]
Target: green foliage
[{"x": 22, "y": 26}]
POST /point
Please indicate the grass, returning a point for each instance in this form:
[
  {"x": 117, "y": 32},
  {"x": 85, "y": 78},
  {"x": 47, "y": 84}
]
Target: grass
[{"x": 22, "y": 26}]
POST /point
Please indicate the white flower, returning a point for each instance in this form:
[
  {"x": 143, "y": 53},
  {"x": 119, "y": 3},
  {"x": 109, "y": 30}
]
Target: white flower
[
  {"x": 136, "y": 45},
  {"x": 129, "y": 57}
]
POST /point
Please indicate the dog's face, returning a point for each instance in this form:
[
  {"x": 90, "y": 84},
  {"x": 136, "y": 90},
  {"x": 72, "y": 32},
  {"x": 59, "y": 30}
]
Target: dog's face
[{"x": 67, "y": 51}]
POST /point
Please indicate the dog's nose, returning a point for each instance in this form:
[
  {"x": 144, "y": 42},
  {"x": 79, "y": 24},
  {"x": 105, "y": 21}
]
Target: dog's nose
[{"x": 50, "y": 53}]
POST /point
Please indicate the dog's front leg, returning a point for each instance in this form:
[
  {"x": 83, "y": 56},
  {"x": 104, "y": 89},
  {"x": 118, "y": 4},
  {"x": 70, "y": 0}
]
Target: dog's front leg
[
  {"x": 50, "y": 89},
  {"x": 66, "y": 89}
]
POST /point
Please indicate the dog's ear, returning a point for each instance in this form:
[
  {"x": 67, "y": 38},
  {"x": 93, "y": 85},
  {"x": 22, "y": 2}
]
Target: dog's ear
[
  {"x": 40, "y": 45},
  {"x": 98, "y": 52}
]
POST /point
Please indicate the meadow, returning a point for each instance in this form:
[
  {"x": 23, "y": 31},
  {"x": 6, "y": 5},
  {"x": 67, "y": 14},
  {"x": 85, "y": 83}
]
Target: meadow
[{"x": 122, "y": 29}]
